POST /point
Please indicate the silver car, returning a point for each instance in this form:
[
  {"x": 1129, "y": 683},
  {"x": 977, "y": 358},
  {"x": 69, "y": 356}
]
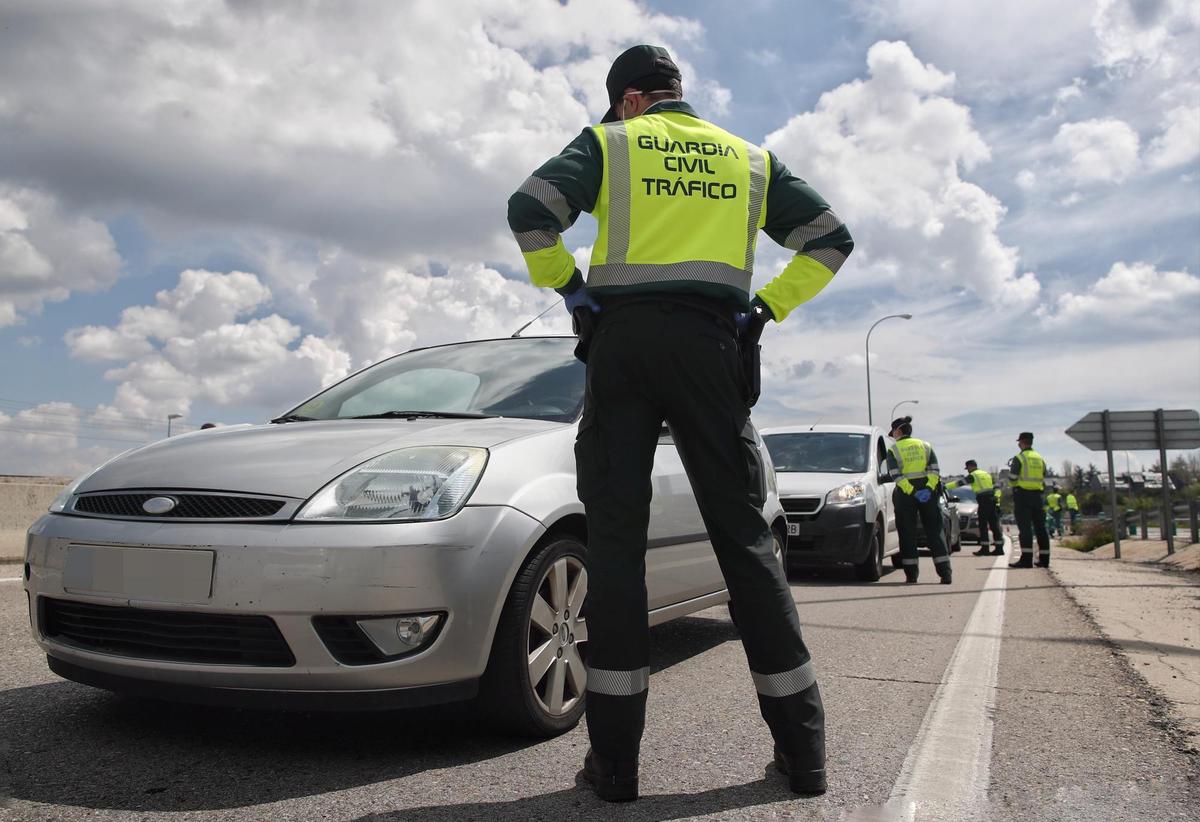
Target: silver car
[{"x": 409, "y": 536}]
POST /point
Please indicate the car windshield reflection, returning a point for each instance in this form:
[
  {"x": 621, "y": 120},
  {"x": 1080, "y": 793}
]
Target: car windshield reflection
[
  {"x": 819, "y": 452},
  {"x": 533, "y": 378}
]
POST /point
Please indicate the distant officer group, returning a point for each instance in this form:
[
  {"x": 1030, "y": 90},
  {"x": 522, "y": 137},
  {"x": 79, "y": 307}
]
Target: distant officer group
[{"x": 913, "y": 465}]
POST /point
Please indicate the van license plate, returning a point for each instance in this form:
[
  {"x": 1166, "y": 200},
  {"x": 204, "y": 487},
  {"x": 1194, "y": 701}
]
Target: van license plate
[{"x": 793, "y": 529}]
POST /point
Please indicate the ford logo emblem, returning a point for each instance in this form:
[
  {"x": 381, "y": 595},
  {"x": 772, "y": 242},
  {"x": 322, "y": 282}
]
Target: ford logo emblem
[{"x": 158, "y": 505}]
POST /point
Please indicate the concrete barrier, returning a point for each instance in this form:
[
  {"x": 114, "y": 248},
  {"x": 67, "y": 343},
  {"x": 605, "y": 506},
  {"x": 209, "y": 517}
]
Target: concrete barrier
[{"x": 23, "y": 500}]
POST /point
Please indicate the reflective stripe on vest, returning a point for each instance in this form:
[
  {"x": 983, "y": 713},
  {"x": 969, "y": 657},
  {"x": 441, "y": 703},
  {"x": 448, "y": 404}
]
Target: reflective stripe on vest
[
  {"x": 1033, "y": 471},
  {"x": 912, "y": 458},
  {"x": 681, "y": 199}
]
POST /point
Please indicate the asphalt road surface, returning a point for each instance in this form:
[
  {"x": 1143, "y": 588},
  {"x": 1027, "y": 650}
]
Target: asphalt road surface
[{"x": 991, "y": 699}]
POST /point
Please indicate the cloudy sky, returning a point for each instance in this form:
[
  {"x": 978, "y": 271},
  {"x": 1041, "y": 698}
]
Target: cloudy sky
[{"x": 212, "y": 208}]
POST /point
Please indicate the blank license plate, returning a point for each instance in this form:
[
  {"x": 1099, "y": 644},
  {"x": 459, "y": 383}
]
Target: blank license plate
[
  {"x": 154, "y": 574},
  {"x": 793, "y": 529}
]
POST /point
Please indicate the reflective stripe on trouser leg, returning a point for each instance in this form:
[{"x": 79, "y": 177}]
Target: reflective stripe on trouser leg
[
  {"x": 1043, "y": 552},
  {"x": 909, "y": 561},
  {"x": 942, "y": 559},
  {"x": 618, "y": 683},
  {"x": 785, "y": 683}
]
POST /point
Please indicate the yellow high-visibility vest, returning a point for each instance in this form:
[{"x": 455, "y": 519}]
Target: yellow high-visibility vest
[
  {"x": 1033, "y": 471},
  {"x": 913, "y": 457},
  {"x": 681, "y": 199}
]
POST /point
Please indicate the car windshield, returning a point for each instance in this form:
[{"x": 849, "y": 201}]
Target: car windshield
[
  {"x": 813, "y": 452},
  {"x": 962, "y": 494},
  {"x": 535, "y": 378}
]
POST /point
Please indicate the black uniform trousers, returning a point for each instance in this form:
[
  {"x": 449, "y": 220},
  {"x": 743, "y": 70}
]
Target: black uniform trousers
[
  {"x": 1027, "y": 508},
  {"x": 908, "y": 510},
  {"x": 656, "y": 361},
  {"x": 989, "y": 518}
]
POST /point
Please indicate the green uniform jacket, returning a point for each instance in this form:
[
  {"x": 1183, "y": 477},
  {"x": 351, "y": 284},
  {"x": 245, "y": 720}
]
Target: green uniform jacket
[{"x": 796, "y": 217}]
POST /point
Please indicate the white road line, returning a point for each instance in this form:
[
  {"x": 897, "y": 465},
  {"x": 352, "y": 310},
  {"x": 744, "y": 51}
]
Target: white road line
[
  {"x": 11, "y": 579},
  {"x": 946, "y": 773}
]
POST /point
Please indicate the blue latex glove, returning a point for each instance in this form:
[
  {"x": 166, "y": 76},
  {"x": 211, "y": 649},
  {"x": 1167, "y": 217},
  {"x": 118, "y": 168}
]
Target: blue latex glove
[
  {"x": 755, "y": 319},
  {"x": 580, "y": 298},
  {"x": 923, "y": 495}
]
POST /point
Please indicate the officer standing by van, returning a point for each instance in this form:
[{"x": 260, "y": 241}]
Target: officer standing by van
[
  {"x": 1027, "y": 470},
  {"x": 989, "y": 512},
  {"x": 679, "y": 203},
  {"x": 913, "y": 466}
]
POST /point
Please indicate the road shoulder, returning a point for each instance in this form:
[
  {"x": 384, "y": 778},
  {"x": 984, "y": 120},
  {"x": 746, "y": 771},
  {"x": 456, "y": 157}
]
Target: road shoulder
[{"x": 1148, "y": 604}]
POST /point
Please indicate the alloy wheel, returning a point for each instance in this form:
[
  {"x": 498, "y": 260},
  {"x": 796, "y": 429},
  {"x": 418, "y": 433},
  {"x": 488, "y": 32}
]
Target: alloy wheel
[{"x": 557, "y": 636}]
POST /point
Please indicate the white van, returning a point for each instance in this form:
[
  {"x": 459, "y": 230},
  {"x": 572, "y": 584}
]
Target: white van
[{"x": 838, "y": 502}]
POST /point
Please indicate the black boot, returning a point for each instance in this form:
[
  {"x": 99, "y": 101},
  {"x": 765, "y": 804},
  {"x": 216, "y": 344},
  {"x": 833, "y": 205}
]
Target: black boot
[
  {"x": 998, "y": 552},
  {"x": 982, "y": 552},
  {"x": 945, "y": 576},
  {"x": 910, "y": 576},
  {"x": 1026, "y": 561},
  {"x": 612, "y": 781},
  {"x": 800, "y": 781}
]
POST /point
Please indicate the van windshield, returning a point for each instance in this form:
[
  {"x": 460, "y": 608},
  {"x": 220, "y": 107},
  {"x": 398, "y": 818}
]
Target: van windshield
[{"x": 819, "y": 452}]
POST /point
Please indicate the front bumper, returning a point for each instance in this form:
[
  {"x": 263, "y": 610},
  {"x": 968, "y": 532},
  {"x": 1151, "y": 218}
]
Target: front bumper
[
  {"x": 461, "y": 567},
  {"x": 834, "y": 535}
]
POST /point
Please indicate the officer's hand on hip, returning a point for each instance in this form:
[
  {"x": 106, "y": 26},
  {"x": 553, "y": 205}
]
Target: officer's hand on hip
[
  {"x": 580, "y": 298},
  {"x": 751, "y": 323}
]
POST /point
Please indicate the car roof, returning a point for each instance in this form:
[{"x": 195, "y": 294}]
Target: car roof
[{"x": 830, "y": 428}]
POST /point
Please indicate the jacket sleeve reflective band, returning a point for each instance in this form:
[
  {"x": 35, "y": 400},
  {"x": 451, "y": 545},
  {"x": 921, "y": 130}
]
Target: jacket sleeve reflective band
[
  {"x": 549, "y": 267},
  {"x": 799, "y": 282}
]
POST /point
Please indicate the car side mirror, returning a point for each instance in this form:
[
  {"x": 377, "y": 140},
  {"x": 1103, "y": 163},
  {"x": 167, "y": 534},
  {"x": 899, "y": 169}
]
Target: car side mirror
[{"x": 883, "y": 472}]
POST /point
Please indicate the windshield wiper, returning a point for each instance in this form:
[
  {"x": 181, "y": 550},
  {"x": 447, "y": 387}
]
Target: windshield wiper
[
  {"x": 425, "y": 415},
  {"x": 294, "y": 418}
]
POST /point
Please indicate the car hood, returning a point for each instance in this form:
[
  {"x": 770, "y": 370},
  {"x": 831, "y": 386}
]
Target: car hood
[
  {"x": 794, "y": 484},
  {"x": 292, "y": 459},
  {"x": 966, "y": 507}
]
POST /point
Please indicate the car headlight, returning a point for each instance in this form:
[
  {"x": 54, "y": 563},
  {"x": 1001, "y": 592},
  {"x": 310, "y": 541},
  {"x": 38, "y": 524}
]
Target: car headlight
[
  {"x": 850, "y": 492},
  {"x": 422, "y": 483},
  {"x": 63, "y": 500}
]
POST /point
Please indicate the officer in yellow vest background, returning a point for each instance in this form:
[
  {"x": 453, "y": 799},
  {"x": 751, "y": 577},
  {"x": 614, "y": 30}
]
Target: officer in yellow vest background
[
  {"x": 665, "y": 319},
  {"x": 1027, "y": 470},
  {"x": 1054, "y": 503},
  {"x": 1073, "y": 511},
  {"x": 989, "y": 511},
  {"x": 913, "y": 465}
]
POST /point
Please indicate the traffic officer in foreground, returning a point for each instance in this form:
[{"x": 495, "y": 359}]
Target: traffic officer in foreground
[
  {"x": 679, "y": 203},
  {"x": 913, "y": 466},
  {"x": 989, "y": 512},
  {"x": 1027, "y": 470}
]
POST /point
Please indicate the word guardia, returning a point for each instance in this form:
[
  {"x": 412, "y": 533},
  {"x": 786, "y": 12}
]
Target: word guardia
[{"x": 679, "y": 187}]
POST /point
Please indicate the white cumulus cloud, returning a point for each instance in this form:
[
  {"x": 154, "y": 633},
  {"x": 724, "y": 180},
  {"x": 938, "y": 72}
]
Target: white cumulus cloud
[
  {"x": 199, "y": 342},
  {"x": 888, "y": 152},
  {"x": 46, "y": 253},
  {"x": 1097, "y": 151},
  {"x": 1133, "y": 295}
]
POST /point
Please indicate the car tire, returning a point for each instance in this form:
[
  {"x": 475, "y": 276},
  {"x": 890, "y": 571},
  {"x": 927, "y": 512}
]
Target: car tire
[
  {"x": 780, "y": 556},
  {"x": 871, "y": 569},
  {"x": 534, "y": 694}
]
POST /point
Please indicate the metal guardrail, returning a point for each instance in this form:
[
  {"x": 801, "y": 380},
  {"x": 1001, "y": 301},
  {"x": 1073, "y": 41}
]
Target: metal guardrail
[{"x": 1185, "y": 516}]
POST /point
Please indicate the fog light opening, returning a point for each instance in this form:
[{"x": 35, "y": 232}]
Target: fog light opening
[{"x": 395, "y": 636}]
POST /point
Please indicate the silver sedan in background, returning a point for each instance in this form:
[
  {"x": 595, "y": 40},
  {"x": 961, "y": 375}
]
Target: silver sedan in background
[{"x": 409, "y": 536}]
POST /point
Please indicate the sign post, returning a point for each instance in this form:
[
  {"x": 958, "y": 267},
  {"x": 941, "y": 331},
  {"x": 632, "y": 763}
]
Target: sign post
[
  {"x": 1112, "y": 488},
  {"x": 1156, "y": 430}
]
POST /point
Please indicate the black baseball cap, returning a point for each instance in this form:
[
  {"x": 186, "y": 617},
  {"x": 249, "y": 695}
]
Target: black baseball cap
[
  {"x": 1025, "y": 435},
  {"x": 635, "y": 64}
]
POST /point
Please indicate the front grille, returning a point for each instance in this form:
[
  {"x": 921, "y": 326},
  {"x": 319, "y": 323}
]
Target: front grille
[
  {"x": 801, "y": 505},
  {"x": 346, "y": 641},
  {"x": 174, "y": 636},
  {"x": 805, "y": 543},
  {"x": 964, "y": 520},
  {"x": 187, "y": 506}
]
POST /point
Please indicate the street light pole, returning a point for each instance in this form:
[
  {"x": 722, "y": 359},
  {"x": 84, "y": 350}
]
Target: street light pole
[
  {"x": 897, "y": 405},
  {"x": 172, "y": 417},
  {"x": 870, "y": 415}
]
